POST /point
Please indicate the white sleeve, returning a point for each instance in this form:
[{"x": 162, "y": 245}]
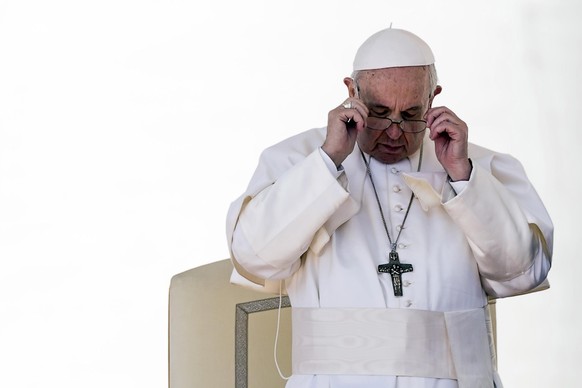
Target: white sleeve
[
  {"x": 277, "y": 225},
  {"x": 506, "y": 225}
]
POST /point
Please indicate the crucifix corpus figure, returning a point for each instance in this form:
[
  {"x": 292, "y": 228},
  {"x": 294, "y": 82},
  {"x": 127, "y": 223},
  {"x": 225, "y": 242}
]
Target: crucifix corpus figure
[{"x": 395, "y": 268}]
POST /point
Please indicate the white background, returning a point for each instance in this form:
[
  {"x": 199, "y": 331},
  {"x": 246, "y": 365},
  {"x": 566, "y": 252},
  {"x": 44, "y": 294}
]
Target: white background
[{"x": 127, "y": 127}]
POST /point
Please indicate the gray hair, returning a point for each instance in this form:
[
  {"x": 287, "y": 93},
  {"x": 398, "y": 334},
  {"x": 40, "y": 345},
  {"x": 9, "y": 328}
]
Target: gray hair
[{"x": 432, "y": 77}]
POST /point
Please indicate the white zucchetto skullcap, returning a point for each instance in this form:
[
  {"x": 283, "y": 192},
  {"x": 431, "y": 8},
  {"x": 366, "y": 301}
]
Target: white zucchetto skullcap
[{"x": 392, "y": 47}]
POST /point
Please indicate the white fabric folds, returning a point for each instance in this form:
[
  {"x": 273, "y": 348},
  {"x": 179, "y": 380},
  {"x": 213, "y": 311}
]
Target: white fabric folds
[{"x": 397, "y": 342}]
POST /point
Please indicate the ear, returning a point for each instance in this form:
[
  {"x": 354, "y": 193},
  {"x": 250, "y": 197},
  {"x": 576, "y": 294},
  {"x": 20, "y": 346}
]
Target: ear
[
  {"x": 436, "y": 92},
  {"x": 351, "y": 85}
]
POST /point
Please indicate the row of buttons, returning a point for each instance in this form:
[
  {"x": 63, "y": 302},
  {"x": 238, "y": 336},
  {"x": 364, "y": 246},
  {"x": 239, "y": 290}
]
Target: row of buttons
[
  {"x": 407, "y": 283},
  {"x": 399, "y": 208}
]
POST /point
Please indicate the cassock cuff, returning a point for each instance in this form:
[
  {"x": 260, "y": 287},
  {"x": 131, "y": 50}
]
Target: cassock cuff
[
  {"x": 335, "y": 171},
  {"x": 459, "y": 186}
]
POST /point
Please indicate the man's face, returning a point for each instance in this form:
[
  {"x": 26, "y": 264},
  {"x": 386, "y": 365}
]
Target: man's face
[{"x": 400, "y": 93}]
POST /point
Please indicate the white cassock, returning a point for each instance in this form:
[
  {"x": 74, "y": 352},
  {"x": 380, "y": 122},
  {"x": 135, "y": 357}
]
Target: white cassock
[{"x": 322, "y": 233}]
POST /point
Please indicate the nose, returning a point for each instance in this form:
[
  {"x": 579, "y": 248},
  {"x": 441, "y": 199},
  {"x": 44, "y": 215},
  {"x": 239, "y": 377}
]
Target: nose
[{"x": 394, "y": 131}]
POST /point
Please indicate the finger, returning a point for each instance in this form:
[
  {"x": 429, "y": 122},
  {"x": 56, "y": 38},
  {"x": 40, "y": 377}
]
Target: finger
[
  {"x": 452, "y": 131},
  {"x": 353, "y": 112},
  {"x": 353, "y": 119},
  {"x": 443, "y": 119},
  {"x": 354, "y": 103},
  {"x": 442, "y": 112},
  {"x": 430, "y": 115},
  {"x": 446, "y": 121}
]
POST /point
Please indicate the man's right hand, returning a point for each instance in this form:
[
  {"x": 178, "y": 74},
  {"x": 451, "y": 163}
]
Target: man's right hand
[{"x": 343, "y": 125}]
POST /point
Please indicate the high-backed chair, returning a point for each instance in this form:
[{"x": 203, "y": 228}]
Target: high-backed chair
[{"x": 221, "y": 335}]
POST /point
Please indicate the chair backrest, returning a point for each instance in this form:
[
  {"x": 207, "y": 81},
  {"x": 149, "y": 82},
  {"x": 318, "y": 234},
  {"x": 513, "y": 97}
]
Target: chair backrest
[{"x": 221, "y": 335}]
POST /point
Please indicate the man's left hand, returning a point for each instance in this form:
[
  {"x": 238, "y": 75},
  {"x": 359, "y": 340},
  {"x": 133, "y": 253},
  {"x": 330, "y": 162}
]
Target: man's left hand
[{"x": 450, "y": 135}]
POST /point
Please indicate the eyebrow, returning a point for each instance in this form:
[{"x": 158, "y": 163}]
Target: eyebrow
[{"x": 382, "y": 109}]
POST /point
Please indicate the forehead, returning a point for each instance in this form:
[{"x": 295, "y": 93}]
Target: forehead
[{"x": 408, "y": 83}]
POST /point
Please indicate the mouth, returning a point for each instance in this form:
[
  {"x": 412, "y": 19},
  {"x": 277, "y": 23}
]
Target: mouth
[{"x": 390, "y": 149}]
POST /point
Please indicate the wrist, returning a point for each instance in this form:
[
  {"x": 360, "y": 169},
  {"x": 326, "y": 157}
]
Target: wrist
[
  {"x": 462, "y": 173},
  {"x": 335, "y": 158}
]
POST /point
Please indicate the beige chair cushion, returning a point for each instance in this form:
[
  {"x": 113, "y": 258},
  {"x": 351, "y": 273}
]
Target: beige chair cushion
[{"x": 202, "y": 320}]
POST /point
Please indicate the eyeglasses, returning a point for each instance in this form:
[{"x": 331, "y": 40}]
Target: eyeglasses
[{"x": 383, "y": 123}]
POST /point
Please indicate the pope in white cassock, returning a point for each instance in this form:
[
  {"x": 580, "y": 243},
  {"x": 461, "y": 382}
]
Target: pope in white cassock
[{"x": 389, "y": 231}]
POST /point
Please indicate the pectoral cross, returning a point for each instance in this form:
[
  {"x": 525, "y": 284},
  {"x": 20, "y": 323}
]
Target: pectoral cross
[{"x": 395, "y": 268}]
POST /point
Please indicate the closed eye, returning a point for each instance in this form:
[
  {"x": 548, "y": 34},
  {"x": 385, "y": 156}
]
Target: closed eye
[
  {"x": 411, "y": 114},
  {"x": 380, "y": 112}
]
